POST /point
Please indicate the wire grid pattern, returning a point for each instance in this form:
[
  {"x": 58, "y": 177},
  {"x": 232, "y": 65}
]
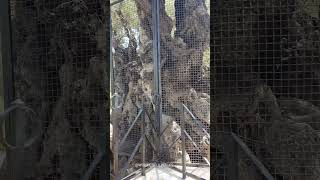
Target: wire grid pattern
[
  {"x": 266, "y": 84},
  {"x": 133, "y": 72},
  {"x": 60, "y": 71},
  {"x": 219, "y": 167},
  {"x": 133, "y": 77},
  {"x": 184, "y": 49}
]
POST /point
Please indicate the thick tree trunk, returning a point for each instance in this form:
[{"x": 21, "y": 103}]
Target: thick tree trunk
[
  {"x": 262, "y": 64},
  {"x": 181, "y": 72},
  {"x": 60, "y": 71}
]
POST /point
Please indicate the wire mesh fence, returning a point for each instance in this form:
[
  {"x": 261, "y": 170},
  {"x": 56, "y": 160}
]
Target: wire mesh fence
[
  {"x": 59, "y": 63},
  {"x": 184, "y": 73},
  {"x": 185, "y": 69},
  {"x": 266, "y": 86},
  {"x": 132, "y": 80}
]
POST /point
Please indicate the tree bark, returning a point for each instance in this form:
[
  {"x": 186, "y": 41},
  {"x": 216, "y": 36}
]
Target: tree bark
[
  {"x": 60, "y": 71},
  {"x": 255, "y": 65},
  {"x": 181, "y": 71}
]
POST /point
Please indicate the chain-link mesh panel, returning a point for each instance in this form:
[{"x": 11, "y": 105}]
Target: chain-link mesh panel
[
  {"x": 266, "y": 85},
  {"x": 184, "y": 54},
  {"x": 219, "y": 168},
  {"x": 59, "y": 62},
  {"x": 185, "y": 69},
  {"x": 133, "y": 79}
]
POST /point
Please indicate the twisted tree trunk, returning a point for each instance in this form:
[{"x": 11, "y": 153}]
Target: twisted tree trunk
[
  {"x": 60, "y": 71},
  {"x": 262, "y": 65},
  {"x": 181, "y": 72}
]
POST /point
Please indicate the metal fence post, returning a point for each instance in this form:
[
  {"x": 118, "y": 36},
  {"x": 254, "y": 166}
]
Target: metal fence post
[
  {"x": 115, "y": 144},
  {"x": 115, "y": 151},
  {"x": 143, "y": 132},
  {"x": 7, "y": 53},
  {"x": 114, "y": 113},
  {"x": 157, "y": 65},
  {"x": 183, "y": 144}
]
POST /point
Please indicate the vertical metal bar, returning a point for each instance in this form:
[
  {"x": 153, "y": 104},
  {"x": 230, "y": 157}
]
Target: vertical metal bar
[
  {"x": 104, "y": 171},
  {"x": 1, "y": 70},
  {"x": 183, "y": 139},
  {"x": 7, "y": 53},
  {"x": 157, "y": 66},
  {"x": 143, "y": 132},
  {"x": 115, "y": 145},
  {"x": 114, "y": 112},
  {"x": 111, "y": 57}
]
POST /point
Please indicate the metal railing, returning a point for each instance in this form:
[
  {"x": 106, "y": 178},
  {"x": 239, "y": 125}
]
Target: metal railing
[
  {"x": 141, "y": 143},
  {"x": 144, "y": 116},
  {"x": 238, "y": 141},
  {"x": 185, "y": 133}
]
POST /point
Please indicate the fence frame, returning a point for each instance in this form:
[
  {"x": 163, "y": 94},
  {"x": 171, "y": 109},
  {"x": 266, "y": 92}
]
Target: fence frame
[{"x": 7, "y": 53}]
